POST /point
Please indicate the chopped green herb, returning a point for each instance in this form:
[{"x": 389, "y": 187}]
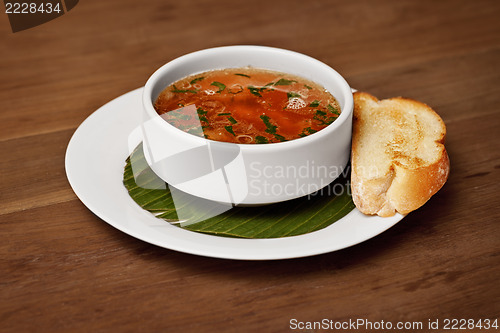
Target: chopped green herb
[
  {"x": 314, "y": 104},
  {"x": 331, "y": 120},
  {"x": 332, "y": 109},
  {"x": 321, "y": 116},
  {"x": 232, "y": 120},
  {"x": 201, "y": 112},
  {"x": 255, "y": 91},
  {"x": 230, "y": 129},
  {"x": 197, "y": 79},
  {"x": 321, "y": 121},
  {"x": 270, "y": 127},
  {"x": 176, "y": 90},
  {"x": 310, "y": 130},
  {"x": 306, "y": 131},
  {"x": 292, "y": 94},
  {"x": 261, "y": 139},
  {"x": 219, "y": 85},
  {"x": 284, "y": 82},
  {"x": 203, "y": 118},
  {"x": 239, "y": 74},
  {"x": 224, "y": 114},
  {"x": 279, "y": 137},
  {"x": 305, "y": 85},
  {"x": 269, "y": 84}
]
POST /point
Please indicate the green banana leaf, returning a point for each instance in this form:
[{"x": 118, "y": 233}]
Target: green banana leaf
[{"x": 289, "y": 218}]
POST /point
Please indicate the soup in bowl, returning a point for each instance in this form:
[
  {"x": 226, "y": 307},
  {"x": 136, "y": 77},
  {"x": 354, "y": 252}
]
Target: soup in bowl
[
  {"x": 247, "y": 105},
  {"x": 247, "y": 125}
]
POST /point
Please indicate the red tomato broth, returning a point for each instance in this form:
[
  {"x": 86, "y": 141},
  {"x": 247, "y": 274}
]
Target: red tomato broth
[{"x": 247, "y": 105}]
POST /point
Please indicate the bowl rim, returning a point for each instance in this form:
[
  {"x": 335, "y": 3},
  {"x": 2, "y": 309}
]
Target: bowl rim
[{"x": 345, "y": 90}]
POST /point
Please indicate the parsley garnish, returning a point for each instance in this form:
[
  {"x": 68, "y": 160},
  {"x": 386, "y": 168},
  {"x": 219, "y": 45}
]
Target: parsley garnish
[
  {"x": 232, "y": 120},
  {"x": 219, "y": 85},
  {"x": 314, "y": 104},
  {"x": 310, "y": 130},
  {"x": 270, "y": 127},
  {"x": 321, "y": 116},
  {"x": 256, "y": 91},
  {"x": 261, "y": 139},
  {"x": 306, "y": 131},
  {"x": 332, "y": 109},
  {"x": 239, "y": 74},
  {"x": 284, "y": 82},
  {"x": 201, "y": 112},
  {"x": 292, "y": 94},
  {"x": 203, "y": 118},
  {"x": 305, "y": 85},
  {"x": 224, "y": 114},
  {"x": 230, "y": 129},
  {"x": 279, "y": 137},
  {"x": 197, "y": 79}
]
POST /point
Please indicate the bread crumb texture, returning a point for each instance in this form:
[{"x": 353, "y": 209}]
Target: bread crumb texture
[{"x": 398, "y": 156}]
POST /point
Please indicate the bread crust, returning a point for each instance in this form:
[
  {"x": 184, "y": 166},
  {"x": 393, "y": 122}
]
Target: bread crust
[{"x": 404, "y": 187}]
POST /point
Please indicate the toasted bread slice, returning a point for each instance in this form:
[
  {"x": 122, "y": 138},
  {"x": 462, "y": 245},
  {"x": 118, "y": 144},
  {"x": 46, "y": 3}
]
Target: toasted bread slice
[{"x": 398, "y": 156}]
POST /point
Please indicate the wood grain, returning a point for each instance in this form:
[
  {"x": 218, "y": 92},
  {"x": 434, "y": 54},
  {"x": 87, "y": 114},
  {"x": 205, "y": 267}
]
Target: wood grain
[{"x": 62, "y": 269}]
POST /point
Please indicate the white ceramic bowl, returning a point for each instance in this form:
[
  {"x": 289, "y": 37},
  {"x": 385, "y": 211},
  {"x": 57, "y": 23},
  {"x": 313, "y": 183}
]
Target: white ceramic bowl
[{"x": 247, "y": 174}]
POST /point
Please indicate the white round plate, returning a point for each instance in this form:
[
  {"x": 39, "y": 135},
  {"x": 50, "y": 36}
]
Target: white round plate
[{"x": 95, "y": 159}]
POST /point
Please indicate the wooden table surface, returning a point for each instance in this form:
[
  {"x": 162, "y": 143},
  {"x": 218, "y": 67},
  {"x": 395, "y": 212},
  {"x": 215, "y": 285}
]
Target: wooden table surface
[{"x": 62, "y": 269}]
